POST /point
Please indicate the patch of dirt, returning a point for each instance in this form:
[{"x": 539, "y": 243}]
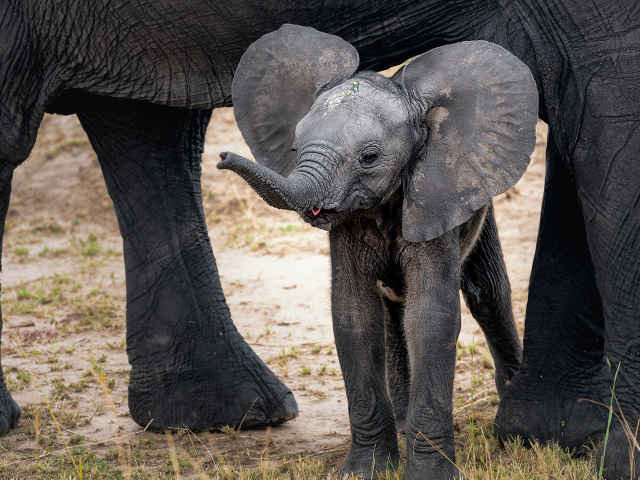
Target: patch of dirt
[{"x": 63, "y": 299}]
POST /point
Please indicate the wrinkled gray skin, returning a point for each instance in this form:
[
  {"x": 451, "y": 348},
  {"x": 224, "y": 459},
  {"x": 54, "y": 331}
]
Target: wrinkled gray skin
[
  {"x": 143, "y": 78},
  {"x": 395, "y": 304},
  {"x": 67, "y": 56}
]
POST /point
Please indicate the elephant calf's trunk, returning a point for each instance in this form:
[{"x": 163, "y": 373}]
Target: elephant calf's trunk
[{"x": 276, "y": 190}]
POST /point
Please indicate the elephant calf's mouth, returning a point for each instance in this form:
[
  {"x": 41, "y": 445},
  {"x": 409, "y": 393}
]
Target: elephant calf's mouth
[{"x": 321, "y": 217}]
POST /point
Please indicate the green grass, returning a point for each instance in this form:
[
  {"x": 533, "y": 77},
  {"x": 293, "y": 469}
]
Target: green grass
[
  {"x": 90, "y": 247},
  {"x": 284, "y": 357},
  {"x": 54, "y": 228},
  {"x": 65, "y": 146},
  {"x": 56, "y": 252},
  {"x": 46, "y": 296},
  {"x": 289, "y": 228},
  {"x": 609, "y": 419},
  {"x": 17, "y": 379}
]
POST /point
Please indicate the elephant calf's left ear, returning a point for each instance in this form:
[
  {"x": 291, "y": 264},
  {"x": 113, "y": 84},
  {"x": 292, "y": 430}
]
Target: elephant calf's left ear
[
  {"x": 482, "y": 112},
  {"x": 275, "y": 84}
]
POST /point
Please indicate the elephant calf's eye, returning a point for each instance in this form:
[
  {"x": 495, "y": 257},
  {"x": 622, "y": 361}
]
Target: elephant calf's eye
[{"x": 369, "y": 156}]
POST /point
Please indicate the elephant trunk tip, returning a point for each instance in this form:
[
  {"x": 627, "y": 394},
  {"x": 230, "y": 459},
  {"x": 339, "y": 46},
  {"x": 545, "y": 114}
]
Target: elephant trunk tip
[
  {"x": 275, "y": 189},
  {"x": 227, "y": 159}
]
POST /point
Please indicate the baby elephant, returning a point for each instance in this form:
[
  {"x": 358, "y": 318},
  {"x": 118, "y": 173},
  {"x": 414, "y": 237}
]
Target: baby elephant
[{"x": 401, "y": 171}]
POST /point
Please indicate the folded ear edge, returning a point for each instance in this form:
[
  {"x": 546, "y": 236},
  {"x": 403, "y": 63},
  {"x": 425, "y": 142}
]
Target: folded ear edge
[{"x": 276, "y": 82}]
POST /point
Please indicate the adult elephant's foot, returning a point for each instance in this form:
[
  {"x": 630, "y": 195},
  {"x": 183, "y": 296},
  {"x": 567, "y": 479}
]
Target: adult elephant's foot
[
  {"x": 621, "y": 456},
  {"x": 377, "y": 457},
  {"x": 568, "y": 410},
  {"x": 9, "y": 410},
  {"x": 226, "y": 385}
]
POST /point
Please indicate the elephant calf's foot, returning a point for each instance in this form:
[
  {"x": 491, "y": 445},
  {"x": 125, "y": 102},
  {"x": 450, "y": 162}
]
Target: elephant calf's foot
[
  {"x": 440, "y": 470},
  {"x": 503, "y": 376},
  {"x": 219, "y": 393},
  {"x": 9, "y": 412},
  {"x": 369, "y": 461},
  {"x": 430, "y": 456},
  {"x": 622, "y": 457},
  {"x": 541, "y": 410}
]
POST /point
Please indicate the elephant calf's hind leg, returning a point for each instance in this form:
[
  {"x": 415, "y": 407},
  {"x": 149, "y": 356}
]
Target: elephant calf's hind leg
[{"x": 486, "y": 290}]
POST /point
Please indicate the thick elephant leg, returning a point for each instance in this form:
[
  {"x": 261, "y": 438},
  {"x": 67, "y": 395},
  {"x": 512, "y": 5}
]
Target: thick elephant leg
[
  {"x": 9, "y": 410},
  {"x": 608, "y": 178},
  {"x": 359, "y": 334},
  {"x": 487, "y": 292},
  {"x": 563, "y": 368},
  {"x": 189, "y": 364},
  {"x": 397, "y": 361},
  {"x": 432, "y": 325},
  {"x": 22, "y": 100}
]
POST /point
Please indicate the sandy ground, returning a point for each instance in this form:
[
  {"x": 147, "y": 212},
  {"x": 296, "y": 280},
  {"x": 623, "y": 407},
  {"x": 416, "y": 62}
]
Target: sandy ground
[{"x": 63, "y": 299}]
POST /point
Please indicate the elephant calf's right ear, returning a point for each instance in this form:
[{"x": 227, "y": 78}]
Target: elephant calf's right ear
[
  {"x": 483, "y": 109},
  {"x": 275, "y": 85}
]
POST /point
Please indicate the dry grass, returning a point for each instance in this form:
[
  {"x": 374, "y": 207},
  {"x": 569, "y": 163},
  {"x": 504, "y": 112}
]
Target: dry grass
[
  {"x": 64, "y": 351},
  {"x": 57, "y": 453},
  {"x": 185, "y": 456}
]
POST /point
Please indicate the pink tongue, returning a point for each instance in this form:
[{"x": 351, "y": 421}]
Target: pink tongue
[{"x": 315, "y": 211}]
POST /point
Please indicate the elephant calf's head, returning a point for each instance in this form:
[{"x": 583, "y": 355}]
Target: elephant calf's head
[
  {"x": 352, "y": 147},
  {"x": 452, "y": 129}
]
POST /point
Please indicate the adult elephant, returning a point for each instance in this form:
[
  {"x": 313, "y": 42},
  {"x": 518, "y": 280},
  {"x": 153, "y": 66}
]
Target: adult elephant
[{"x": 143, "y": 78}]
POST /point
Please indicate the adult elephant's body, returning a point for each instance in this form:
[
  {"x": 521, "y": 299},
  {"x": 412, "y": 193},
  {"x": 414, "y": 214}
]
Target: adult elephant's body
[
  {"x": 585, "y": 57},
  {"x": 180, "y": 54},
  {"x": 143, "y": 78},
  {"x": 584, "y": 296}
]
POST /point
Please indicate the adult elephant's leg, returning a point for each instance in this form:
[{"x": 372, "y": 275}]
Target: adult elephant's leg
[
  {"x": 487, "y": 292},
  {"x": 563, "y": 367},
  {"x": 608, "y": 178},
  {"x": 359, "y": 335},
  {"x": 189, "y": 364},
  {"x": 9, "y": 410}
]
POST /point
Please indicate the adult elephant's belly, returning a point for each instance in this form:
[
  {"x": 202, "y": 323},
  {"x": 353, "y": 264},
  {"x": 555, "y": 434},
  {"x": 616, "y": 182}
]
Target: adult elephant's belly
[{"x": 184, "y": 53}]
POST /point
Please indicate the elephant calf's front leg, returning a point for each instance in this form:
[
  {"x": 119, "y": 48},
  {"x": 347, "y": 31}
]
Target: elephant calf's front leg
[
  {"x": 432, "y": 324},
  {"x": 359, "y": 333}
]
